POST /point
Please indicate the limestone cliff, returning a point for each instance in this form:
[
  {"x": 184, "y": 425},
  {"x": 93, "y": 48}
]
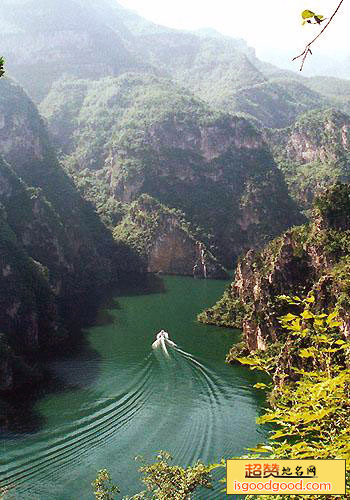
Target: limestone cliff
[
  {"x": 313, "y": 257},
  {"x": 313, "y": 153},
  {"x": 54, "y": 250},
  {"x": 164, "y": 240},
  {"x": 138, "y": 134}
]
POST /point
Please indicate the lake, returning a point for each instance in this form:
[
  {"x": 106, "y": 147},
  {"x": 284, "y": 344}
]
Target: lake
[{"x": 118, "y": 399}]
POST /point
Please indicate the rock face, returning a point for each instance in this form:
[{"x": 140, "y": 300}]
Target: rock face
[
  {"x": 54, "y": 250},
  {"x": 306, "y": 258},
  {"x": 139, "y": 134},
  {"x": 164, "y": 240},
  {"x": 313, "y": 153}
]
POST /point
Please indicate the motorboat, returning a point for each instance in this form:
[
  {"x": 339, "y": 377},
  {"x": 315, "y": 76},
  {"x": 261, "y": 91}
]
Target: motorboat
[{"x": 162, "y": 340}]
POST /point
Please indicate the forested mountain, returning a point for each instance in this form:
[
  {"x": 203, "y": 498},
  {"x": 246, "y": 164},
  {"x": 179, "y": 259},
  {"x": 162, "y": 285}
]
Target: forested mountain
[
  {"x": 55, "y": 251},
  {"x": 310, "y": 258},
  {"x": 128, "y": 148},
  {"x": 140, "y": 134},
  {"x": 313, "y": 153},
  {"x": 98, "y": 38}
]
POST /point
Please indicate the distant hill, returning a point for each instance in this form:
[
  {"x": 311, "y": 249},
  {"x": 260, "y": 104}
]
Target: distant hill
[{"x": 97, "y": 38}]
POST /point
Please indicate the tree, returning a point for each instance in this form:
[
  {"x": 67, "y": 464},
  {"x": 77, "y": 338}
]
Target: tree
[
  {"x": 171, "y": 481},
  {"x": 2, "y": 70},
  {"x": 310, "y": 408},
  {"x": 103, "y": 487},
  {"x": 163, "y": 481}
]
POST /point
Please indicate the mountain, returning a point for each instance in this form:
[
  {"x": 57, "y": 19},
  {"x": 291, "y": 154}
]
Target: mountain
[
  {"x": 153, "y": 154},
  {"x": 313, "y": 153},
  {"x": 143, "y": 134},
  {"x": 226, "y": 73},
  {"x": 312, "y": 257},
  {"x": 54, "y": 250},
  {"x": 99, "y": 38},
  {"x": 52, "y": 38}
]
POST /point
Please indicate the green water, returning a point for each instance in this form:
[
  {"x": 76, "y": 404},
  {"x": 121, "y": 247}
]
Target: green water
[{"x": 122, "y": 399}]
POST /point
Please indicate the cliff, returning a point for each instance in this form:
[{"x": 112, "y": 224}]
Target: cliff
[
  {"x": 140, "y": 134},
  {"x": 312, "y": 257},
  {"x": 313, "y": 153},
  {"x": 163, "y": 239},
  {"x": 54, "y": 250}
]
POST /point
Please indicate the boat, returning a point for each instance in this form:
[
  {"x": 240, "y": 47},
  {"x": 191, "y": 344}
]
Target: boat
[{"x": 162, "y": 340}]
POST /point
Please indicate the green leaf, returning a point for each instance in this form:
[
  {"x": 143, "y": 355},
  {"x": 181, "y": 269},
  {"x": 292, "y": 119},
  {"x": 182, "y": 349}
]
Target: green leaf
[
  {"x": 310, "y": 299},
  {"x": 334, "y": 324},
  {"x": 307, "y": 314},
  {"x": 307, "y": 353},
  {"x": 307, "y": 14},
  {"x": 288, "y": 317},
  {"x": 248, "y": 361},
  {"x": 260, "y": 386},
  {"x": 260, "y": 449}
]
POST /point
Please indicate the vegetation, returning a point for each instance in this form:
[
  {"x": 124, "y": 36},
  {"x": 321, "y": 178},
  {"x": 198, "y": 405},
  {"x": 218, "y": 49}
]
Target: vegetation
[
  {"x": 163, "y": 481},
  {"x": 227, "y": 312},
  {"x": 309, "y": 401},
  {"x": 140, "y": 134},
  {"x": 313, "y": 153},
  {"x": 309, "y": 16},
  {"x": 103, "y": 487},
  {"x": 143, "y": 148}
]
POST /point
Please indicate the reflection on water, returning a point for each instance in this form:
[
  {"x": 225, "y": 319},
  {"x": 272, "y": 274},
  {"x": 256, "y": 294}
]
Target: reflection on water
[{"x": 123, "y": 399}]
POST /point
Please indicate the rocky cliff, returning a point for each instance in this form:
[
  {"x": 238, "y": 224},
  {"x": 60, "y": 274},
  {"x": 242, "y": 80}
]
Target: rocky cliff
[
  {"x": 163, "y": 239},
  {"x": 139, "y": 134},
  {"x": 313, "y": 257},
  {"x": 54, "y": 250},
  {"x": 313, "y": 153}
]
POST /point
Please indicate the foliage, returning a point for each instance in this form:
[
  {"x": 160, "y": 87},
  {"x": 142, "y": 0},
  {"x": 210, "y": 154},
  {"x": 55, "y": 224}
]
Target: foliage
[
  {"x": 163, "y": 481},
  {"x": 103, "y": 487},
  {"x": 307, "y": 16},
  {"x": 2, "y": 70},
  {"x": 313, "y": 153},
  {"x": 228, "y": 312},
  {"x": 141, "y": 134},
  {"x": 171, "y": 481},
  {"x": 310, "y": 401}
]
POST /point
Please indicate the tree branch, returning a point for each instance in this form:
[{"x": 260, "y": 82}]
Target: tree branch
[{"x": 307, "y": 49}]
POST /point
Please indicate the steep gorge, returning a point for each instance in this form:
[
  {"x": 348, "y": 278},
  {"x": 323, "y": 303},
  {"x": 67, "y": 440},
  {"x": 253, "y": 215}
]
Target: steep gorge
[
  {"x": 140, "y": 134},
  {"x": 313, "y": 153},
  {"x": 55, "y": 251},
  {"x": 308, "y": 258}
]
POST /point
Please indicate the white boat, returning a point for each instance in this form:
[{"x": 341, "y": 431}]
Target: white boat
[{"x": 162, "y": 340}]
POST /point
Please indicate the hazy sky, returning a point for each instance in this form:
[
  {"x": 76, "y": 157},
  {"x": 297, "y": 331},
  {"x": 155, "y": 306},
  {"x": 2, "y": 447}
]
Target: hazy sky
[{"x": 263, "y": 23}]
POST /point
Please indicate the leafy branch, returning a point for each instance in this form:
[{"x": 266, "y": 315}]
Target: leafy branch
[{"x": 307, "y": 15}]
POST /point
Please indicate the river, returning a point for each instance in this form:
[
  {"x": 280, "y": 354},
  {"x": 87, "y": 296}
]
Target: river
[{"x": 119, "y": 399}]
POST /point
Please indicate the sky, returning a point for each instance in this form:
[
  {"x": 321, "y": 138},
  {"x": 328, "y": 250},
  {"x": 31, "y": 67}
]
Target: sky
[{"x": 263, "y": 23}]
